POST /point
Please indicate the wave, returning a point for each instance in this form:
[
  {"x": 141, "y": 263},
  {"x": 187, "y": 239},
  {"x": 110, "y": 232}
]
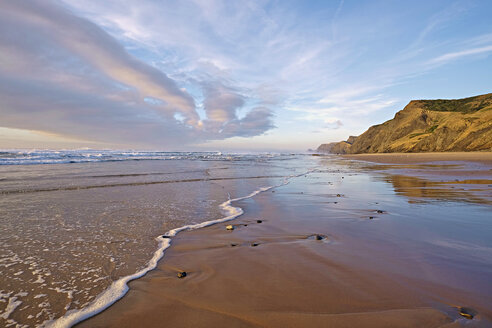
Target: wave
[
  {"x": 24, "y": 157},
  {"x": 130, "y": 184},
  {"x": 120, "y": 287}
]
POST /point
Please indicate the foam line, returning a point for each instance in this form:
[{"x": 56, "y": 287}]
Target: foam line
[{"x": 119, "y": 288}]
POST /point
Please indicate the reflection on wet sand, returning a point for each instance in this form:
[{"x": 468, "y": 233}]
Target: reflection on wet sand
[
  {"x": 422, "y": 190},
  {"x": 454, "y": 181}
]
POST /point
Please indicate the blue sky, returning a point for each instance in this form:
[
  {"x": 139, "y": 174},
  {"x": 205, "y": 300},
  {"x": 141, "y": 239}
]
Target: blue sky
[{"x": 229, "y": 75}]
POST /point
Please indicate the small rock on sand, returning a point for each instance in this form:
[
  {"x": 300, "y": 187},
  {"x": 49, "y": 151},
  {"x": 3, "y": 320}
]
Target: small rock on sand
[
  {"x": 319, "y": 237},
  {"x": 259, "y": 221},
  {"x": 254, "y": 244},
  {"x": 230, "y": 227},
  {"x": 164, "y": 236},
  {"x": 371, "y": 217},
  {"x": 380, "y": 211},
  {"x": 466, "y": 312},
  {"x": 181, "y": 274},
  {"x": 338, "y": 195}
]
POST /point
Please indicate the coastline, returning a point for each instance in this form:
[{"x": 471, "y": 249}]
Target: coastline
[
  {"x": 78, "y": 232},
  {"x": 119, "y": 288},
  {"x": 278, "y": 275}
]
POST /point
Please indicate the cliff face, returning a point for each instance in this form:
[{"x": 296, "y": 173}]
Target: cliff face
[
  {"x": 342, "y": 147},
  {"x": 432, "y": 126}
]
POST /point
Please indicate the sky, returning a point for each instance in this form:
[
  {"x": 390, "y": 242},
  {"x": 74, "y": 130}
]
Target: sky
[{"x": 229, "y": 75}]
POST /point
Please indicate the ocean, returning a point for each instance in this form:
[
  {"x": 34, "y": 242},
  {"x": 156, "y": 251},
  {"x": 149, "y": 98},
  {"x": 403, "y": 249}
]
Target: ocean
[{"x": 76, "y": 226}]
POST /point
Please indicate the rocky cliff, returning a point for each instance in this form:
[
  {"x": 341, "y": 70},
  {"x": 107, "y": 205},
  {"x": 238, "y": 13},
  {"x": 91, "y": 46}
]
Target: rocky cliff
[
  {"x": 342, "y": 147},
  {"x": 428, "y": 126}
]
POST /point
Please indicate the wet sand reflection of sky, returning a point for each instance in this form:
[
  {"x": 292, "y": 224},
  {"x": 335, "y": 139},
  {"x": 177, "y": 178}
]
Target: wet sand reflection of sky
[
  {"x": 423, "y": 190},
  {"x": 467, "y": 182}
]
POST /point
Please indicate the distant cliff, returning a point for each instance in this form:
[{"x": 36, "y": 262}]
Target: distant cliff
[
  {"x": 427, "y": 126},
  {"x": 342, "y": 147}
]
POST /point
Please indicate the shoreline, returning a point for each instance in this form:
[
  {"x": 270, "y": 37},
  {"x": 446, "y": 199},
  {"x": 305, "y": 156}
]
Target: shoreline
[
  {"x": 120, "y": 288},
  {"x": 64, "y": 248},
  {"x": 276, "y": 273},
  {"x": 413, "y": 158}
]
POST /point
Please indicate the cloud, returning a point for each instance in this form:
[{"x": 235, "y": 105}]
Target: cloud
[
  {"x": 221, "y": 103},
  {"x": 459, "y": 54},
  {"x": 63, "y": 74},
  {"x": 354, "y": 100},
  {"x": 332, "y": 124},
  {"x": 257, "y": 120}
]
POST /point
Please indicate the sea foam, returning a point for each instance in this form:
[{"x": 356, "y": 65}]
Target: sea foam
[{"x": 120, "y": 287}]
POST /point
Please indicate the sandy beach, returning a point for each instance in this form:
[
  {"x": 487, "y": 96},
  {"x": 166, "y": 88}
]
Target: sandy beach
[
  {"x": 409, "y": 158},
  {"x": 389, "y": 255},
  {"x": 70, "y": 230}
]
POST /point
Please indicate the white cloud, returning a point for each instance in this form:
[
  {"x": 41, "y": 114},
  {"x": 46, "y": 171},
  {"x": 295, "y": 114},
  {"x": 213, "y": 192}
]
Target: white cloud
[{"x": 459, "y": 54}]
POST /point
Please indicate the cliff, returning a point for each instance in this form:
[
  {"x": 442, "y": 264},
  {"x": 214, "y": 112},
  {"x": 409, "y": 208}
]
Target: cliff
[
  {"x": 342, "y": 147},
  {"x": 428, "y": 126}
]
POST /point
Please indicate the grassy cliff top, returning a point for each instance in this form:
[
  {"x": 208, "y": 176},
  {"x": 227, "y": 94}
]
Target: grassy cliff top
[{"x": 465, "y": 105}]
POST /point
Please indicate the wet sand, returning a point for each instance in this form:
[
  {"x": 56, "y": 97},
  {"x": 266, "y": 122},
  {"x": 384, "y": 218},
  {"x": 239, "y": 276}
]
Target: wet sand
[
  {"x": 383, "y": 261},
  {"x": 68, "y": 231},
  {"x": 407, "y": 158}
]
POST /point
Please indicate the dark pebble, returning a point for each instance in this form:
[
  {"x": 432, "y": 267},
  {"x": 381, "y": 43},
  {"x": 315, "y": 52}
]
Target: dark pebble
[
  {"x": 245, "y": 225},
  {"x": 164, "y": 236},
  {"x": 379, "y": 211},
  {"x": 254, "y": 244},
  {"x": 335, "y": 202},
  {"x": 181, "y": 274},
  {"x": 259, "y": 221},
  {"x": 318, "y": 237},
  {"x": 233, "y": 245},
  {"x": 371, "y": 217},
  {"x": 338, "y": 195}
]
